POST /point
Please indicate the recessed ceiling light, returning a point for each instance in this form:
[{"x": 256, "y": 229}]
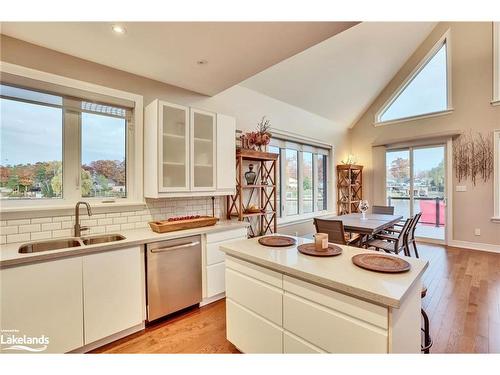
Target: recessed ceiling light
[
  {"x": 118, "y": 29},
  {"x": 202, "y": 62}
]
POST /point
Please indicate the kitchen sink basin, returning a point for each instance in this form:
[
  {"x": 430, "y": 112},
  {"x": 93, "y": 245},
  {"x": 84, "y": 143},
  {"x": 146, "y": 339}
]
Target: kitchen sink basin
[
  {"x": 102, "y": 239},
  {"x": 65, "y": 243},
  {"x": 62, "y": 243}
]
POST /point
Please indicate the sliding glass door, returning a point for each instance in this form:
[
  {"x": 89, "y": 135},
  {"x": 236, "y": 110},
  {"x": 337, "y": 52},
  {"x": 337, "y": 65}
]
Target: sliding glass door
[{"x": 415, "y": 182}]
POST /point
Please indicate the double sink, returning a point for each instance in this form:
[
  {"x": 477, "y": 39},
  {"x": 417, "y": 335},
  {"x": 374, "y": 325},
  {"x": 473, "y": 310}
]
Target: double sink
[
  {"x": 76, "y": 241},
  {"x": 65, "y": 243}
]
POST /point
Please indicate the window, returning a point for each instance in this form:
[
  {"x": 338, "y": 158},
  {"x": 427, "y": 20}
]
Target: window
[
  {"x": 48, "y": 141},
  {"x": 103, "y": 156},
  {"x": 291, "y": 183},
  {"x": 31, "y": 136},
  {"x": 496, "y": 62},
  {"x": 307, "y": 182},
  {"x": 425, "y": 92},
  {"x": 496, "y": 174},
  {"x": 321, "y": 203},
  {"x": 276, "y": 150},
  {"x": 302, "y": 178}
]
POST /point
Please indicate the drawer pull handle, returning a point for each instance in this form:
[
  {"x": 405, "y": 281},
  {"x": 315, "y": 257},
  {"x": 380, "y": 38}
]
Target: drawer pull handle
[{"x": 175, "y": 247}]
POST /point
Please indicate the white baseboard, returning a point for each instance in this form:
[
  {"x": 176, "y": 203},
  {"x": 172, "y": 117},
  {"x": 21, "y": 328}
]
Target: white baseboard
[
  {"x": 475, "y": 246},
  {"x": 217, "y": 297},
  {"x": 109, "y": 339},
  {"x": 430, "y": 240}
]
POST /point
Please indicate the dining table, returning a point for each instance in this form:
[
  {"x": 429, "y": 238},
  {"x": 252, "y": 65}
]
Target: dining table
[{"x": 368, "y": 226}]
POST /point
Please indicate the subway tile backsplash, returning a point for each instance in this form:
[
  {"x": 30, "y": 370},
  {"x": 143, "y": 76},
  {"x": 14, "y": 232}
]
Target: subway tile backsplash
[{"x": 21, "y": 230}]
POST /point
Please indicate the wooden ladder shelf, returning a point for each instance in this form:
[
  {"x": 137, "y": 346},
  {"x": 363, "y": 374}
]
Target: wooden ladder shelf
[{"x": 264, "y": 221}]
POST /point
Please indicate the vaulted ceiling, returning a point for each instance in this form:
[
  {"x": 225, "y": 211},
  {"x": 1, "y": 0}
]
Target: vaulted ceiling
[
  {"x": 333, "y": 69},
  {"x": 169, "y": 51},
  {"x": 340, "y": 77}
]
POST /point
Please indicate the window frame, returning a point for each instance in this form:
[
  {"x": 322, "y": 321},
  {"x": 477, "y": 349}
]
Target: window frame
[
  {"x": 72, "y": 140},
  {"x": 496, "y": 64},
  {"x": 496, "y": 176},
  {"x": 444, "y": 40},
  {"x": 283, "y": 218}
]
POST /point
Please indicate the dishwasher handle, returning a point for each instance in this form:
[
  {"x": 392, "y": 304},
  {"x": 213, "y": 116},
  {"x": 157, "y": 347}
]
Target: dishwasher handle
[{"x": 175, "y": 247}]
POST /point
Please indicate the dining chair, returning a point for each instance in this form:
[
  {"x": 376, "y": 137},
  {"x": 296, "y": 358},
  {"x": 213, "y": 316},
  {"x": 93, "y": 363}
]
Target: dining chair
[
  {"x": 335, "y": 231},
  {"x": 384, "y": 210},
  {"x": 391, "y": 243},
  {"x": 410, "y": 235}
]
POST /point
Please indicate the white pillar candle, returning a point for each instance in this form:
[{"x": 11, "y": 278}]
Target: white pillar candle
[{"x": 321, "y": 241}]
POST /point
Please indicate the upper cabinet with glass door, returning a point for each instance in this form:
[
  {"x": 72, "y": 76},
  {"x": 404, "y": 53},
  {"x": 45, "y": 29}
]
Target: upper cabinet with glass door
[
  {"x": 183, "y": 151},
  {"x": 173, "y": 148},
  {"x": 203, "y": 154}
]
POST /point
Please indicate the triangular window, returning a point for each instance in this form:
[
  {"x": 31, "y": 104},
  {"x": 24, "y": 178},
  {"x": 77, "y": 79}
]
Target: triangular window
[{"x": 424, "y": 92}]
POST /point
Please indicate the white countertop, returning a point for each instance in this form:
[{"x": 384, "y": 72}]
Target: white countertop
[
  {"x": 337, "y": 273},
  {"x": 9, "y": 255}
]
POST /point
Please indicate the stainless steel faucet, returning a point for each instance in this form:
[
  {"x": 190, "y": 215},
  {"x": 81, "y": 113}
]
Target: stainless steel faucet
[{"x": 78, "y": 228}]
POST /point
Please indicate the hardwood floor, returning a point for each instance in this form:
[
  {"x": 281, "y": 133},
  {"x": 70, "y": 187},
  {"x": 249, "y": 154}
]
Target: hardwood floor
[
  {"x": 463, "y": 299},
  {"x": 463, "y": 304},
  {"x": 196, "y": 330}
]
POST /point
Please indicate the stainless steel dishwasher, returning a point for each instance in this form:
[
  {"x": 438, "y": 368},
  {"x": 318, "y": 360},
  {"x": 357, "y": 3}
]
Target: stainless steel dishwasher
[{"x": 173, "y": 275}]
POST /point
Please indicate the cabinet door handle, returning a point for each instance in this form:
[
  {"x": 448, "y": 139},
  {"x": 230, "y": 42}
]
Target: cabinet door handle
[{"x": 175, "y": 247}]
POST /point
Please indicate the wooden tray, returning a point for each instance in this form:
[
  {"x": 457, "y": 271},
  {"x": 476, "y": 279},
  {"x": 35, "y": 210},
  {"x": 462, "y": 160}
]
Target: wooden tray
[
  {"x": 310, "y": 249},
  {"x": 381, "y": 263},
  {"x": 277, "y": 241},
  {"x": 170, "y": 226}
]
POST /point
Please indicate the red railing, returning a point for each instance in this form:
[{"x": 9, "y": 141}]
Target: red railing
[{"x": 433, "y": 209}]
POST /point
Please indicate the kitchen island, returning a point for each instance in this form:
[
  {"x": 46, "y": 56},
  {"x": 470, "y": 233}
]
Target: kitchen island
[{"x": 282, "y": 301}]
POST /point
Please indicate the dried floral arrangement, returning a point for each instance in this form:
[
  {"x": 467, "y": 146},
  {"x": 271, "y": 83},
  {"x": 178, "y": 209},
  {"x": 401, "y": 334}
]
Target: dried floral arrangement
[
  {"x": 259, "y": 139},
  {"x": 473, "y": 156}
]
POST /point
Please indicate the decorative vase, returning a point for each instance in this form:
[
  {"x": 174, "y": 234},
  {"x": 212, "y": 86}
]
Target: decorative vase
[{"x": 250, "y": 175}]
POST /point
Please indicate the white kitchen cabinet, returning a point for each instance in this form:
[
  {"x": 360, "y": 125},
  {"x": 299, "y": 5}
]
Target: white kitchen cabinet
[
  {"x": 44, "y": 299},
  {"x": 186, "y": 152},
  {"x": 333, "y": 331},
  {"x": 295, "y": 345},
  {"x": 267, "y": 311},
  {"x": 256, "y": 295},
  {"x": 167, "y": 148},
  {"x": 113, "y": 290},
  {"x": 251, "y": 333},
  {"x": 214, "y": 283},
  {"x": 203, "y": 150},
  {"x": 226, "y": 146}
]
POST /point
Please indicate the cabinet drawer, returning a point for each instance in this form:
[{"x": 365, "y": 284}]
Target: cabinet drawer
[
  {"x": 240, "y": 233},
  {"x": 215, "y": 279},
  {"x": 254, "y": 271},
  {"x": 295, "y": 345},
  {"x": 330, "y": 330},
  {"x": 362, "y": 310},
  {"x": 251, "y": 333},
  {"x": 214, "y": 255},
  {"x": 255, "y": 295}
]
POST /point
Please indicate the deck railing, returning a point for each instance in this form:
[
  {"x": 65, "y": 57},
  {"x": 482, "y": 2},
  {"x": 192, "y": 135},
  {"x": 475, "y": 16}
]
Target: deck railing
[{"x": 436, "y": 218}]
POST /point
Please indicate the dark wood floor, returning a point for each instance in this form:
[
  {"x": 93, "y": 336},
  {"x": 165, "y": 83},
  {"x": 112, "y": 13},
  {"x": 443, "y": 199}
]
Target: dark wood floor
[{"x": 463, "y": 304}]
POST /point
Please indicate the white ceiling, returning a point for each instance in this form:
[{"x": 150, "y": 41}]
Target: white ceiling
[
  {"x": 340, "y": 77},
  {"x": 169, "y": 51}
]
